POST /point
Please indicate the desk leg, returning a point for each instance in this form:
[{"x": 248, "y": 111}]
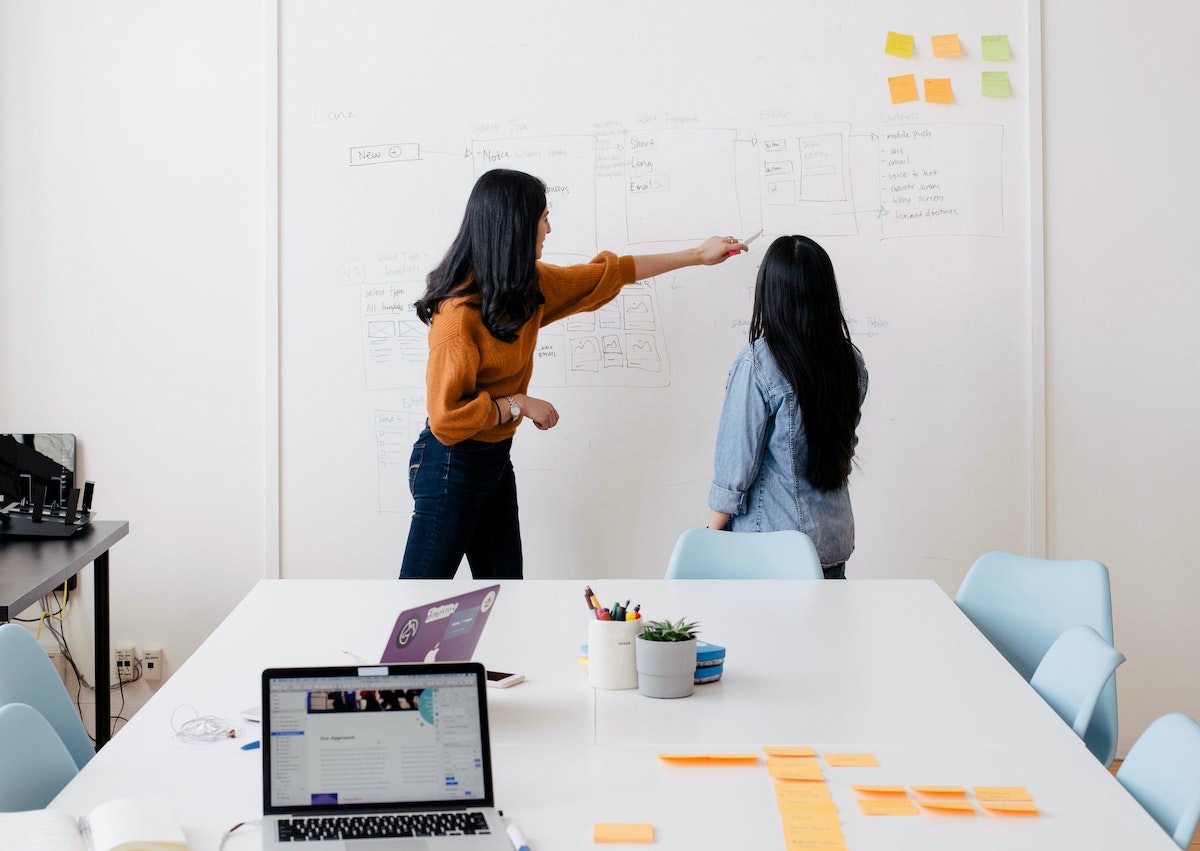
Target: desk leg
[{"x": 103, "y": 695}]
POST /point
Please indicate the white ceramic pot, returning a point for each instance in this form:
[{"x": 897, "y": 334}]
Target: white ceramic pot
[{"x": 666, "y": 668}]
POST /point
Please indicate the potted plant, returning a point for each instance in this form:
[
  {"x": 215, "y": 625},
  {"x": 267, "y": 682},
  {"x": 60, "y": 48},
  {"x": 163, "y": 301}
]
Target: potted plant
[{"x": 666, "y": 658}]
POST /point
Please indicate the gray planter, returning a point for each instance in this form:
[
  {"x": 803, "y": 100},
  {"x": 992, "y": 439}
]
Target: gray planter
[{"x": 666, "y": 668}]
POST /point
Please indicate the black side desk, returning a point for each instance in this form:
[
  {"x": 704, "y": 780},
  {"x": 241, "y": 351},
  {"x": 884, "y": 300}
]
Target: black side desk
[{"x": 33, "y": 567}]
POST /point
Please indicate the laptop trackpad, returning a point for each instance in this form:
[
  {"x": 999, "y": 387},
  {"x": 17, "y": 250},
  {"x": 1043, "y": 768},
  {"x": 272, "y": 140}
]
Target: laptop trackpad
[{"x": 413, "y": 844}]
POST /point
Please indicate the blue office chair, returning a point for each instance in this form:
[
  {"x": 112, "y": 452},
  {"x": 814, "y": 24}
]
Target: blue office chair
[
  {"x": 1162, "y": 771},
  {"x": 1073, "y": 672},
  {"x": 1023, "y": 604},
  {"x": 713, "y": 554},
  {"x": 28, "y": 676},
  {"x": 36, "y": 764}
]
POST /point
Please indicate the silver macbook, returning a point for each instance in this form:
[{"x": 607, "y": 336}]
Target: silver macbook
[{"x": 378, "y": 757}]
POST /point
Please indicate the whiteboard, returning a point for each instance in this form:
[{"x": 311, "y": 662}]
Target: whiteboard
[{"x": 654, "y": 126}]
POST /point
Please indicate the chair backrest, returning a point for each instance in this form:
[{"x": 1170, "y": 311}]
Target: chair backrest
[
  {"x": 1162, "y": 771},
  {"x": 713, "y": 554},
  {"x": 1073, "y": 672},
  {"x": 36, "y": 764},
  {"x": 1023, "y": 604},
  {"x": 28, "y": 676}
]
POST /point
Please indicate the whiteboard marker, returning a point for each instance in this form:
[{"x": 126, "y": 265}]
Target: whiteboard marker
[{"x": 747, "y": 241}]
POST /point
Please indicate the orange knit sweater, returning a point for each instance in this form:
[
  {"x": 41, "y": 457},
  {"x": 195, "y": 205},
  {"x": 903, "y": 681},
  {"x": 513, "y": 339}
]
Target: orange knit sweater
[{"x": 469, "y": 368}]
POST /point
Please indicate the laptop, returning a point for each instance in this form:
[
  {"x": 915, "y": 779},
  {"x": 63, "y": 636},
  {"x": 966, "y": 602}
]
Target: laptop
[
  {"x": 443, "y": 630},
  {"x": 397, "y": 755}
]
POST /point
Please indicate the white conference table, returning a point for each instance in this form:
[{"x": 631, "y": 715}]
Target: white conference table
[{"x": 885, "y": 667}]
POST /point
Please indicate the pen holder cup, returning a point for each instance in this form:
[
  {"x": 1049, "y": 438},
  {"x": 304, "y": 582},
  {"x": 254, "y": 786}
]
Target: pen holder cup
[{"x": 612, "y": 660}]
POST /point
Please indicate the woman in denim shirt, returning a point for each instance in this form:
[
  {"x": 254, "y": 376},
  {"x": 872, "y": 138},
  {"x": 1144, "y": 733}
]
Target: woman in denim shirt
[{"x": 792, "y": 403}]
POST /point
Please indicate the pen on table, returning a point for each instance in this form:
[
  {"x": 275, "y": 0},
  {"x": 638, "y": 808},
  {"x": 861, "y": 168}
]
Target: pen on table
[
  {"x": 249, "y": 746},
  {"x": 517, "y": 838}
]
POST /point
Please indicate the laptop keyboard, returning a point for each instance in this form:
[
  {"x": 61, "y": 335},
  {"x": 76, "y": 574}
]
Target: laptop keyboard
[{"x": 381, "y": 826}]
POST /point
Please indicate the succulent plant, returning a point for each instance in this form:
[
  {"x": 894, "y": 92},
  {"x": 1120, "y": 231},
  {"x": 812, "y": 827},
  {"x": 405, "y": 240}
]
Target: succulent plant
[{"x": 665, "y": 630}]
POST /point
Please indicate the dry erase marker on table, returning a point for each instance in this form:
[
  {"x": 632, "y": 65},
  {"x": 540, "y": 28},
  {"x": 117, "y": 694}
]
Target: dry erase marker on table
[{"x": 517, "y": 838}]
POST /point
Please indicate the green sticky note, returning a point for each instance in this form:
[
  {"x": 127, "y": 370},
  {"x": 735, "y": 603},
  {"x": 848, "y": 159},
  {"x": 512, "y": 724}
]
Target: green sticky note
[
  {"x": 995, "y": 48},
  {"x": 995, "y": 84}
]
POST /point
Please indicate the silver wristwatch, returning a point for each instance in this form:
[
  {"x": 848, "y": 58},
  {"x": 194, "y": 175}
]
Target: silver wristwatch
[{"x": 513, "y": 408}]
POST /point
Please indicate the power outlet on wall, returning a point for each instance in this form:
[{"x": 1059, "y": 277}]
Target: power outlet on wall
[
  {"x": 60, "y": 663},
  {"x": 152, "y": 664},
  {"x": 125, "y": 661}
]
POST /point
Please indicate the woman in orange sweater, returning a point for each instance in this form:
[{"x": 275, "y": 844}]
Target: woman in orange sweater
[{"x": 484, "y": 304}]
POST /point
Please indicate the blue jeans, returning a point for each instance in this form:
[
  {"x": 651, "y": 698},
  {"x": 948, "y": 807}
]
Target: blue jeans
[{"x": 465, "y": 503}]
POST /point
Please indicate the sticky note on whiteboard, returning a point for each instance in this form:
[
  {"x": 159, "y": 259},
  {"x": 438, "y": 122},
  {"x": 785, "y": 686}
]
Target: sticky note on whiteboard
[
  {"x": 903, "y": 89},
  {"x": 995, "y": 48},
  {"x": 995, "y": 84},
  {"x": 899, "y": 44},
  {"x": 946, "y": 46}
]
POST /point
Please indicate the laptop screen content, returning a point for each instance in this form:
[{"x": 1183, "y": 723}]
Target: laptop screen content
[{"x": 374, "y": 737}]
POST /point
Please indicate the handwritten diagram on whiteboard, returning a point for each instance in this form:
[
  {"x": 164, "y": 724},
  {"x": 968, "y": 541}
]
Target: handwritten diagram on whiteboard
[{"x": 933, "y": 180}]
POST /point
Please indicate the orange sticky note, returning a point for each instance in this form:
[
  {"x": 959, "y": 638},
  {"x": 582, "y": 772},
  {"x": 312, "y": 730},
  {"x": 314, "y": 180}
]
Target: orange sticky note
[
  {"x": 937, "y": 90},
  {"x": 794, "y": 769},
  {"x": 814, "y": 841},
  {"x": 623, "y": 833},
  {"x": 789, "y": 750},
  {"x": 946, "y": 46},
  {"x": 1026, "y": 808},
  {"x": 899, "y": 44},
  {"x": 810, "y": 817},
  {"x": 880, "y": 790},
  {"x": 799, "y": 794},
  {"x": 851, "y": 760},
  {"x": 1002, "y": 793},
  {"x": 709, "y": 758},
  {"x": 941, "y": 791},
  {"x": 887, "y": 807},
  {"x": 903, "y": 89},
  {"x": 964, "y": 807}
]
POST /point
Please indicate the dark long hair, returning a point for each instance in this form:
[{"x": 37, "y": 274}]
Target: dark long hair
[
  {"x": 798, "y": 312},
  {"x": 494, "y": 254}
]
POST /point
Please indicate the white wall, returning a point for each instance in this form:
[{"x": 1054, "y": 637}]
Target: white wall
[
  {"x": 134, "y": 305},
  {"x": 131, "y": 290},
  {"x": 1122, "y": 254}
]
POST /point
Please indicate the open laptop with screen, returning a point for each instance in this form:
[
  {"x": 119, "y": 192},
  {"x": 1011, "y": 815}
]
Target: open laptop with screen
[
  {"x": 402, "y": 750},
  {"x": 445, "y": 630}
]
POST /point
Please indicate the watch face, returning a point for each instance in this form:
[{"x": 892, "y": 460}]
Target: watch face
[{"x": 515, "y": 410}]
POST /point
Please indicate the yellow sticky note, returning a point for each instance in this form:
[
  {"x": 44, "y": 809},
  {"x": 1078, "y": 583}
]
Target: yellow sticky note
[
  {"x": 1025, "y": 808},
  {"x": 887, "y": 807},
  {"x": 995, "y": 84},
  {"x": 903, "y": 89},
  {"x": 794, "y": 769},
  {"x": 899, "y": 44},
  {"x": 789, "y": 750},
  {"x": 851, "y": 760},
  {"x": 879, "y": 790},
  {"x": 946, "y": 46},
  {"x": 995, "y": 48},
  {"x": 623, "y": 833},
  {"x": 940, "y": 791},
  {"x": 809, "y": 841},
  {"x": 937, "y": 90},
  {"x": 799, "y": 794},
  {"x": 961, "y": 807},
  {"x": 1002, "y": 793},
  {"x": 709, "y": 758}
]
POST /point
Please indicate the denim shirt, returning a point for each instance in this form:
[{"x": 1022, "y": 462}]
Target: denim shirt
[{"x": 761, "y": 456}]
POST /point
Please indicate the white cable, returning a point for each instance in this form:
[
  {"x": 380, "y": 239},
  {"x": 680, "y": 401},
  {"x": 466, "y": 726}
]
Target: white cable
[{"x": 202, "y": 728}]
